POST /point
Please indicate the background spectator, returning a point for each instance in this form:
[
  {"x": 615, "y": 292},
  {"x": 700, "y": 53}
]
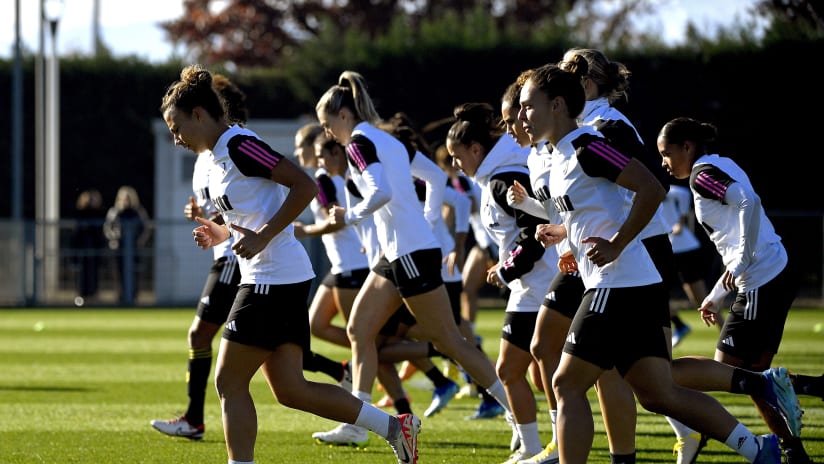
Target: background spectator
[{"x": 127, "y": 229}]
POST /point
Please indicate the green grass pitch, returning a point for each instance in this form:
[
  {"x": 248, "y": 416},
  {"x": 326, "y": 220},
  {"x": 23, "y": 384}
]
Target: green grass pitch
[{"x": 80, "y": 386}]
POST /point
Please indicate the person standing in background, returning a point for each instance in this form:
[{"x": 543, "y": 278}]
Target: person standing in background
[
  {"x": 88, "y": 243},
  {"x": 127, "y": 228}
]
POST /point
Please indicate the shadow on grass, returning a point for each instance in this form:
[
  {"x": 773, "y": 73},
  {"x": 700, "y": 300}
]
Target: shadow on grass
[{"x": 35, "y": 388}]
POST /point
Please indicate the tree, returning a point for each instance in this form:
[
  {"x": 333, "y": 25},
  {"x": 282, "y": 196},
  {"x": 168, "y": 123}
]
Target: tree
[
  {"x": 262, "y": 33},
  {"x": 793, "y": 18}
]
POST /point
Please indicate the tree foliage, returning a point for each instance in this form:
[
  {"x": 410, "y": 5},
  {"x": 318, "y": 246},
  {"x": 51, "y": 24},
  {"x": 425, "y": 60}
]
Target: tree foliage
[
  {"x": 793, "y": 19},
  {"x": 264, "y": 33}
]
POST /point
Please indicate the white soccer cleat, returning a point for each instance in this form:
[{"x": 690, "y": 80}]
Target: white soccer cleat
[
  {"x": 343, "y": 435},
  {"x": 405, "y": 444},
  {"x": 687, "y": 448},
  {"x": 519, "y": 456},
  {"x": 179, "y": 427},
  {"x": 548, "y": 456}
]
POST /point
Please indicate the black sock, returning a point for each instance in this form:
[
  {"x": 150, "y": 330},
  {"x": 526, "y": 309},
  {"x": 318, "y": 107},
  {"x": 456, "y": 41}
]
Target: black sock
[
  {"x": 200, "y": 362},
  {"x": 402, "y": 405},
  {"x": 793, "y": 447},
  {"x": 314, "y": 362},
  {"x": 485, "y": 396},
  {"x": 748, "y": 382},
  {"x": 622, "y": 458},
  {"x": 808, "y": 385},
  {"x": 677, "y": 322},
  {"x": 437, "y": 378}
]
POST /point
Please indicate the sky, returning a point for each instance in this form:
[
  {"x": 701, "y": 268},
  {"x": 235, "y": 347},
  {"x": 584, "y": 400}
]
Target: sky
[{"x": 131, "y": 27}]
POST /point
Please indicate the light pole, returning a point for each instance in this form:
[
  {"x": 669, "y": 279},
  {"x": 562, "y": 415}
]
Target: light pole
[{"x": 48, "y": 150}]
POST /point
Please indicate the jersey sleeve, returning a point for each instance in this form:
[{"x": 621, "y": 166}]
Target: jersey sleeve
[
  {"x": 710, "y": 182},
  {"x": 327, "y": 193},
  {"x": 361, "y": 152},
  {"x": 527, "y": 250},
  {"x": 623, "y": 136},
  {"x": 252, "y": 156},
  {"x": 599, "y": 158}
]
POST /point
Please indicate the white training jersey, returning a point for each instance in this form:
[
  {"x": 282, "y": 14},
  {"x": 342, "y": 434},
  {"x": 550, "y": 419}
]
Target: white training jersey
[
  {"x": 676, "y": 205},
  {"x": 461, "y": 204},
  {"x": 241, "y": 188},
  {"x": 367, "y": 233},
  {"x": 582, "y": 182},
  {"x": 200, "y": 187},
  {"x": 342, "y": 246},
  {"x": 728, "y": 208},
  {"x": 479, "y": 233},
  {"x": 524, "y": 265},
  {"x": 620, "y": 132},
  {"x": 379, "y": 164}
]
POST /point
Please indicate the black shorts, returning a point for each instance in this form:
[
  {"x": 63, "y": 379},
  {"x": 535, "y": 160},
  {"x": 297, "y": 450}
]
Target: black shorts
[
  {"x": 518, "y": 328},
  {"x": 690, "y": 265},
  {"x": 346, "y": 279},
  {"x": 755, "y": 323},
  {"x": 413, "y": 274},
  {"x": 565, "y": 293},
  {"x": 454, "y": 289},
  {"x": 659, "y": 249},
  {"x": 267, "y": 316},
  {"x": 219, "y": 291},
  {"x": 611, "y": 329}
]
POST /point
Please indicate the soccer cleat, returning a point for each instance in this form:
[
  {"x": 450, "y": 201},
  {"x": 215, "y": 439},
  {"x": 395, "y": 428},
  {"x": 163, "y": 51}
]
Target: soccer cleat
[
  {"x": 781, "y": 396},
  {"x": 179, "y": 427},
  {"x": 451, "y": 371},
  {"x": 515, "y": 441},
  {"x": 688, "y": 448},
  {"x": 407, "y": 371},
  {"x": 346, "y": 381},
  {"x": 385, "y": 402},
  {"x": 520, "y": 455},
  {"x": 679, "y": 333},
  {"x": 548, "y": 456},
  {"x": 796, "y": 456},
  {"x": 768, "y": 450},
  {"x": 441, "y": 397},
  {"x": 405, "y": 444},
  {"x": 343, "y": 435},
  {"x": 487, "y": 410},
  {"x": 465, "y": 391}
]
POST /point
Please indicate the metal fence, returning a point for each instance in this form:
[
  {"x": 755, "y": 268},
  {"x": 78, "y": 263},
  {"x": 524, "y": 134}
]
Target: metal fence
[{"x": 42, "y": 266}]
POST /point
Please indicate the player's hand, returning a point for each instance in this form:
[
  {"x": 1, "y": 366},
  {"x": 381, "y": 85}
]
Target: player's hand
[
  {"x": 337, "y": 215},
  {"x": 567, "y": 263},
  {"x": 250, "y": 242},
  {"x": 550, "y": 234},
  {"x": 602, "y": 251},
  {"x": 515, "y": 194},
  {"x": 209, "y": 233},
  {"x": 709, "y": 314},
  {"x": 191, "y": 210},
  {"x": 298, "y": 228},
  {"x": 492, "y": 277}
]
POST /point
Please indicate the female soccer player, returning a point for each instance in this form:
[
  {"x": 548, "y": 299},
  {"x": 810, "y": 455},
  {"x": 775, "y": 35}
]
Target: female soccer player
[
  {"x": 410, "y": 270},
  {"x": 259, "y": 193},
  {"x": 757, "y": 267},
  {"x": 587, "y": 181}
]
